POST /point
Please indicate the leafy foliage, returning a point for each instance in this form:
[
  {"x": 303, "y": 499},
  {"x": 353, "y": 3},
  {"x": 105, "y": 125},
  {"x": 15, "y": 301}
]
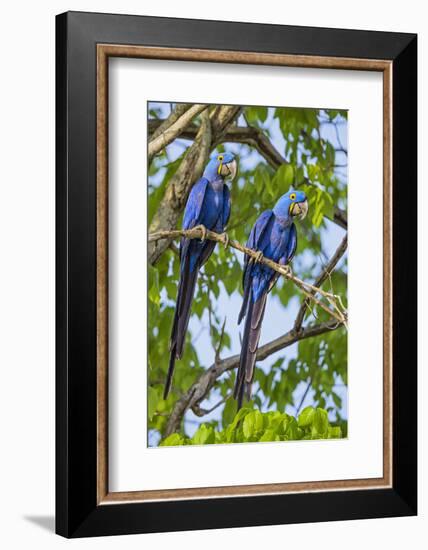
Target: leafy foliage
[
  {"x": 252, "y": 426},
  {"x": 313, "y": 144}
]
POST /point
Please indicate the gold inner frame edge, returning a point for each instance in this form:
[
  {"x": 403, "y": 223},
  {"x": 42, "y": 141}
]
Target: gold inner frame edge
[{"x": 104, "y": 51}]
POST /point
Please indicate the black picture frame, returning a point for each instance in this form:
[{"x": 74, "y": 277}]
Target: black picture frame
[{"x": 77, "y": 512}]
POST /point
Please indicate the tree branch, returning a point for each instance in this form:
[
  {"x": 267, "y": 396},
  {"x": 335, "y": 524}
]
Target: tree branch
[
  {"x": 199, "y": 390},
  {"x": 172, "y": 204},
  {"x": 162, "y": 125},
  {"x": 255, "y": 138},
  {"x": 340, "y": 218},
  {"x": 199, "y": 411},
  {"x": 308, "y": 289},
  {"x": 174, "y": 130}
]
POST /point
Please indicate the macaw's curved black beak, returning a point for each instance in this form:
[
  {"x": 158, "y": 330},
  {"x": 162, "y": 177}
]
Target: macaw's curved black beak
[
  {"x": 300, "y": 209},
  {"x": 228, "y": 170}
]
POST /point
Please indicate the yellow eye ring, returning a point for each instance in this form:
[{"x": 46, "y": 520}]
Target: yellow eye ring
[
  {"x": 293, "y": 196},
  {"x": 220, "y": 158}
]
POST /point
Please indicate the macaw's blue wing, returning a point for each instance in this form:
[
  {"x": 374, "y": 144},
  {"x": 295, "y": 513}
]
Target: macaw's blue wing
[
  {"x": 199, "y": 211},
  {"x": 288, "y": 254},
  {"x": 291, "y": 247},
  {"x": 194, "y": 204},
  {"x": 226, "y": 206},
  {"x": 193, "y": 211}
]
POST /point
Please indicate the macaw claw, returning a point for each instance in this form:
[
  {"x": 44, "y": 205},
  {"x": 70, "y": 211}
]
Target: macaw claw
[
  {"x": 203, "y": 230},
  {"x": 288, "y": 270},
  {"x": 259, "y": 257},
  {"x": 225, "y": 240}
]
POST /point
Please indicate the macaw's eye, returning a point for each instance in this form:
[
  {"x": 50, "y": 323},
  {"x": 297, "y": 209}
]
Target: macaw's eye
[
  {"x": 220, "y": 158},
  {"x": 293, "y": 196}
]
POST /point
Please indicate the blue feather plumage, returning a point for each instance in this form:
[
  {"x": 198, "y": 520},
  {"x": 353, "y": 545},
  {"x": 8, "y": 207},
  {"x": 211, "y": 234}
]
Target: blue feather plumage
[
  {"x": 208, "y": 204},
  {"x": 274, "y": 235}
]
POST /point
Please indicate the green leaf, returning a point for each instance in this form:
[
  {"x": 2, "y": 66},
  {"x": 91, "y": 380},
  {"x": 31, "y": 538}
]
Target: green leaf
[
  {"x": 153, "y": 399},
  {"x": 173, "y": 440},
  {"x": 204, "y": 436},
  {"x": 306, "y": 417},
  {"x": 334, "y": 432},
  {"x": 320, "y": 203},
  {"x": 293, "y": 432},
  {"x": 337, "y": 400},
  {"x": 269, "y": 435},
  {"x": 229, "y": 412},
  {"x": 154, "y": 294},
  {"x": 248, "y": 425},
  {"x": 284, "y": 177},
  {"x": 320, "y": 422},
  {"x": 240, "y": 415},
  {"x": 255, "y": 114},
  {"x": 253, "y": 423}
]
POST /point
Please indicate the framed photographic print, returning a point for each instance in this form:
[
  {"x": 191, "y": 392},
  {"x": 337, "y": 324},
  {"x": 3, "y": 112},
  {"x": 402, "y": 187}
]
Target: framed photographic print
[{"x": 236, "y": 248}]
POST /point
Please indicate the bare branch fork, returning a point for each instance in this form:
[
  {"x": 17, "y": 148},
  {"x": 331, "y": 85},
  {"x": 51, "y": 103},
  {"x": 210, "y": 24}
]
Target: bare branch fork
[
  {"x": 248, "y": 135},
  {"x": 170, "y": 133},
  {"x": 164, "y": 124},
  {"x": 338, "y": 312}
]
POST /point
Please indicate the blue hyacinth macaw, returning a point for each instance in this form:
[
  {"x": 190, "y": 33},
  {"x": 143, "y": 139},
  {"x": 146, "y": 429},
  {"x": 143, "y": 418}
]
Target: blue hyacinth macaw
[
  {"x": 273, "y": 236},
  {"x": 208, "y": 207}
]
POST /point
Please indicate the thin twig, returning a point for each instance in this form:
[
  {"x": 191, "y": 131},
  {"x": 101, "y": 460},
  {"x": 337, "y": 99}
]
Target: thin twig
[
  {"x": 220, "y": 342},
  {"x": 329, "y": 267},
  {"x": 308, "y": 387}
]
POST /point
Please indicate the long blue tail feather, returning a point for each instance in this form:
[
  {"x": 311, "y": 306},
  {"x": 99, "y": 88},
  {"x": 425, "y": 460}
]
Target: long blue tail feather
[
  {"x": 186, "y": 290},
  {"x": 250, "y": 342}
]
